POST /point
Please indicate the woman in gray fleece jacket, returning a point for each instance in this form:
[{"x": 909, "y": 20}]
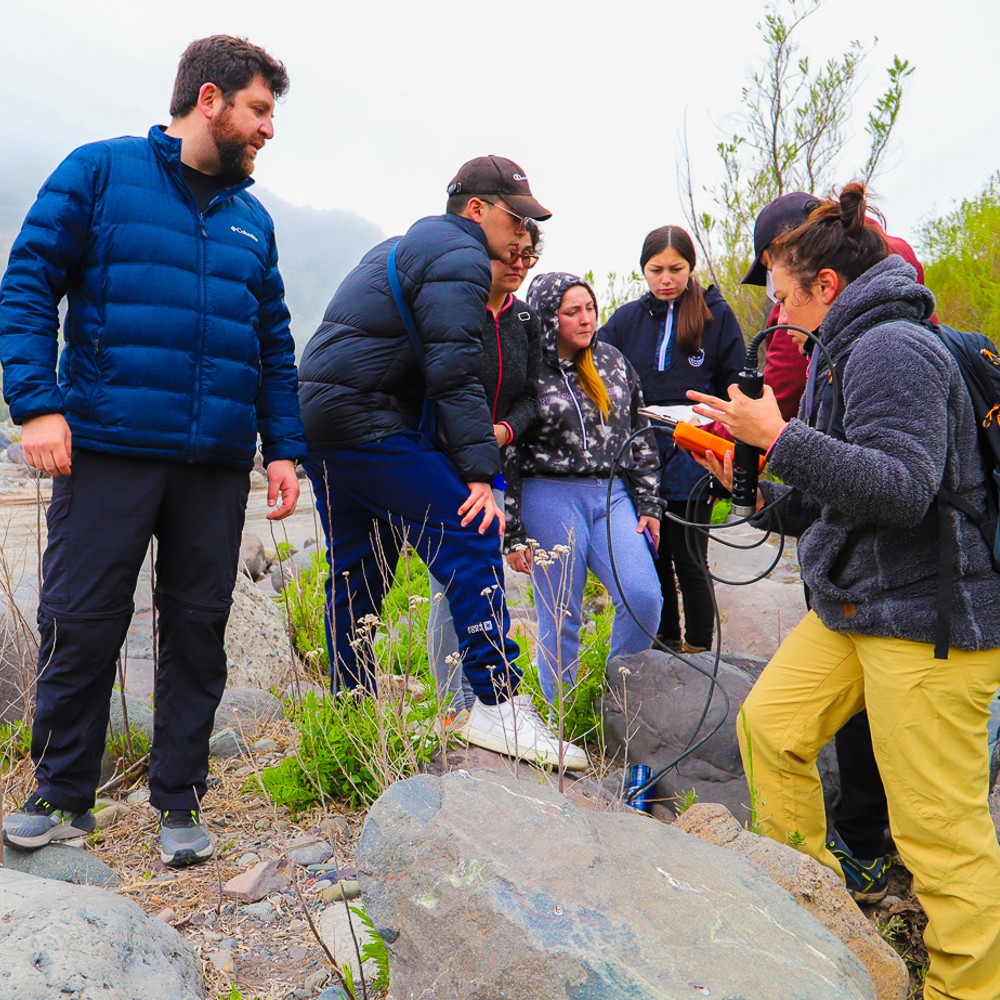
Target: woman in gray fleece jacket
[{"x": 871, "y": 535}]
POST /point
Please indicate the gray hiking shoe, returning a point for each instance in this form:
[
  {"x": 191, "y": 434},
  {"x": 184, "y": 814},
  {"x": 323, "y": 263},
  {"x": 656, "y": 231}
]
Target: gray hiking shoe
[
  {"x": 184, "y": 839},
  {"x": 38, "y": 823}
]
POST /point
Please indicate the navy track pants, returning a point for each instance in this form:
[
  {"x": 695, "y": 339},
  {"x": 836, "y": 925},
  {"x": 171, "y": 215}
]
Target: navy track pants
[{"x": 371, "y": 500}]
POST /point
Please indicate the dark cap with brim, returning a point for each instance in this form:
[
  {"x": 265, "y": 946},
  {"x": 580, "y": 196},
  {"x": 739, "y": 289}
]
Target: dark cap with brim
[
  {"x": 499, "y": 176},
  {"x": 786, "y": 212}
]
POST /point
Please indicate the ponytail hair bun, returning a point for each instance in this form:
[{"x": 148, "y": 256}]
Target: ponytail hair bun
[{"x": 839, "y": 234}]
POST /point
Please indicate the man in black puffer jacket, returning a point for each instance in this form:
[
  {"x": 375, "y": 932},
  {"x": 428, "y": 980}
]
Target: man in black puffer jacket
[{"x": 371, "y": 392}]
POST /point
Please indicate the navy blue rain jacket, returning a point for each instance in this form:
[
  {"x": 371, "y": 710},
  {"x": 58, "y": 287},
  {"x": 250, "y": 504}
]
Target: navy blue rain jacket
[
  {"x": 360, "y": 380},
  {"x": 177, "y": 342},
  {"x": 634, "y": 329}
]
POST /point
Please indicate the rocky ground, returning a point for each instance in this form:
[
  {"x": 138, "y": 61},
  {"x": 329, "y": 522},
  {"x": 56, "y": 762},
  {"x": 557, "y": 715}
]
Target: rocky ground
[
  {"x": 263, "y": 934},
  {"x": 268, "y": 942},
  {"x": 266, "y": 947}
]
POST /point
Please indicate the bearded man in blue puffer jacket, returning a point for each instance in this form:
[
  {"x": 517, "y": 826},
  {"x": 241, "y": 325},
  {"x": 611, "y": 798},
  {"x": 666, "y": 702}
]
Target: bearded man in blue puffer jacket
[{"x": 177, "y": 354}]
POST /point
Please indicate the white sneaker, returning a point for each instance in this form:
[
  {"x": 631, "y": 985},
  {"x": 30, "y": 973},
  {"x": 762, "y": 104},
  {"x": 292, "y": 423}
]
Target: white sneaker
[{"x": 515, "y": 728}]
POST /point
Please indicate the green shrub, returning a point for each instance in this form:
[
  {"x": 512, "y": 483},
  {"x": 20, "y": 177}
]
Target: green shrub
[
  {"x": 721, "y": 510},
  {"x": 405, "y": 612},
  {"x": 128, "y": 748},
  {"x": 399, "y": 639},
  {"x": 962, "y": 260},
  {"x": 304, "y": 600},
  {"x": 15, "y": 743},
  {"x": 352, "y": 747}
]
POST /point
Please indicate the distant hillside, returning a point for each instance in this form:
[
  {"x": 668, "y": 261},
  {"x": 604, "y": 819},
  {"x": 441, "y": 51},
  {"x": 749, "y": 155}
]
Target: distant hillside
[{"x": 316, "y": 247}]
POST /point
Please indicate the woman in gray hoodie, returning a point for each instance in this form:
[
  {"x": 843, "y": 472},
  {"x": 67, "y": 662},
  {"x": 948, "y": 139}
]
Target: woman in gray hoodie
[{"x": 863, "y": 501}]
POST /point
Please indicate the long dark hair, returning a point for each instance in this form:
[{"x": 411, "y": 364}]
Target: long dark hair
[
  {"x": 692, "y": 311},
  {"x": 837, "y": 234}
]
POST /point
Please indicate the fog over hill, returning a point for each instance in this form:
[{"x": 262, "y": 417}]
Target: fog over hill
[{"x": 316, "y": 247}]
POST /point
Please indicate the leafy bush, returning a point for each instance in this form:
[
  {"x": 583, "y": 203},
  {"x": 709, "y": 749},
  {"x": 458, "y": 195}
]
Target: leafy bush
[
  {"x": 15, "y": 743},
  {"x": 400, "y": 641},
  {"x": 352, "y": 747},
  {"x": 304, "y": 601},
  {"x": 962, "y": 258},
  {"x": 405, "y": 612},
  {"x": 128, "y": 748}
]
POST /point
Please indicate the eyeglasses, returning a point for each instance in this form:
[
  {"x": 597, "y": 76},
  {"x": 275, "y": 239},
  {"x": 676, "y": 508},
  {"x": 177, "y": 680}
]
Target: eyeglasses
[
  {"x": 522, "y": 220},
  {"x": 528, "y": 258}
]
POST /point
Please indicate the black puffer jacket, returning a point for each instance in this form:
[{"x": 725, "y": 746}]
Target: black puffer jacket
[{"x": 359, "y": 380}]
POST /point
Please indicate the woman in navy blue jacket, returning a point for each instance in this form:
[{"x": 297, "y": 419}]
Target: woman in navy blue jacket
[{"x": 679, "y": 336}]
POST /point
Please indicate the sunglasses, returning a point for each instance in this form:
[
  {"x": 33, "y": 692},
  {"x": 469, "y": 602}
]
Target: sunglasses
[{"x": 528, "y": 258}]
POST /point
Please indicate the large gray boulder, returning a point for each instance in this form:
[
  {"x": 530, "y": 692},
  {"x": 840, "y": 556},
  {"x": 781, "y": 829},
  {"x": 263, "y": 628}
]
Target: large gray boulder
[
  {"x": 260, "y": 654},
  {"x": 484, "y": 886},
  {"x": 58, "y": 940},
  {"x": 650, "y": 710},
  {"x": 253, "y": 560},
  {"x": 246, "y": 710}
]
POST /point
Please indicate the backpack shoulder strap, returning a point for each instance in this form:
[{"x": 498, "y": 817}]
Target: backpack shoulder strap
[{"x": 428, "y": 415}]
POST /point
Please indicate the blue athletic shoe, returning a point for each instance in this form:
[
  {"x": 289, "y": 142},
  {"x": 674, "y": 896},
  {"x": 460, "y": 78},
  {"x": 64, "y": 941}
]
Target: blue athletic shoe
[
  {"x": 867, "y": 881},
  {"x": 38, "y": 823}
]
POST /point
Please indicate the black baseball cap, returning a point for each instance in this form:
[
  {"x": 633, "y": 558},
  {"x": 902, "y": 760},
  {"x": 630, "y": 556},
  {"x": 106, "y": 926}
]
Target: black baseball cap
[
  {"x": 500, "y": 176},
  {"x": 785, "y": 212}
]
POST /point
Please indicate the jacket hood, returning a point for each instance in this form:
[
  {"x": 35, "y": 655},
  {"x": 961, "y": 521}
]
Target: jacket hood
[
  {"x": 887, "y": 291},
  {"x": 544, "y": 296}
]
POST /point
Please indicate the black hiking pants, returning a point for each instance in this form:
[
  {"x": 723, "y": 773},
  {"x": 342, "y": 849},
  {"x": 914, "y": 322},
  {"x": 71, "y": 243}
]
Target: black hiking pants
[{"x": 100, "y": 523}]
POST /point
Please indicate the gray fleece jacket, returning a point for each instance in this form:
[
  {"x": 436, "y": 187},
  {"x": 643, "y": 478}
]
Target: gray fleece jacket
[{"x": 864, "y": 507}]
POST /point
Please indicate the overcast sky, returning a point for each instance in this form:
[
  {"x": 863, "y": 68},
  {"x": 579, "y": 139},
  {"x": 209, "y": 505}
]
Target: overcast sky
[{"x": 388, "y": 98}]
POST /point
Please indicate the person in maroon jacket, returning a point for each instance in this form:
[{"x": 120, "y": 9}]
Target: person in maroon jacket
[{"x": 861, "y": 815}]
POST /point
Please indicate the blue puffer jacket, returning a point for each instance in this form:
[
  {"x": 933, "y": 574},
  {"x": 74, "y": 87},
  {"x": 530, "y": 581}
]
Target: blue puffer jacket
[
  {"x": 177, "y": 344},
  {"x": 360, "y": 381}
]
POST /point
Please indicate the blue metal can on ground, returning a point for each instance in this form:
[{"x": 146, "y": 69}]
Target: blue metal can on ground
[{"x": 638, "y": 775}]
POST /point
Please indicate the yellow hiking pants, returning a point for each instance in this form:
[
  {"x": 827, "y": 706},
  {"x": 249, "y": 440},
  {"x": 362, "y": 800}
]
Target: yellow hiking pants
[{"x": 928, "y": 720}]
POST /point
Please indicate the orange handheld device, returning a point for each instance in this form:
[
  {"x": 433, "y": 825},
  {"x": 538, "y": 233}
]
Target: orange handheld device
[{"x": 695, "y": 439}]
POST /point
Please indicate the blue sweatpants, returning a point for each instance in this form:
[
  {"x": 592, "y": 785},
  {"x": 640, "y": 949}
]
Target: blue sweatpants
[
  {"x": 572, "y": 512},
  {"x": 373, "y": 498}
]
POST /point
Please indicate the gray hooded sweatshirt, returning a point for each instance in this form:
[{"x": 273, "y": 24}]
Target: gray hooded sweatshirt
[{"x": 864, "y": 507}]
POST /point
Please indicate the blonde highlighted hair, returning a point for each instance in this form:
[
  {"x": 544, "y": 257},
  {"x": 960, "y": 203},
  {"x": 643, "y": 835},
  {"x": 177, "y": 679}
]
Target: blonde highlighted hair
[{"x": 591, "y": 382}]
